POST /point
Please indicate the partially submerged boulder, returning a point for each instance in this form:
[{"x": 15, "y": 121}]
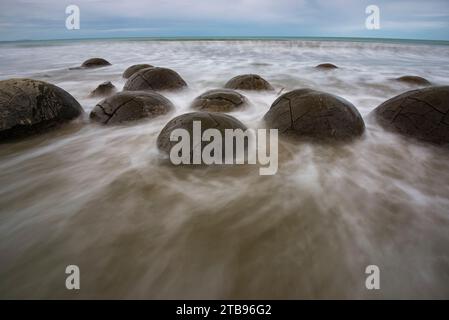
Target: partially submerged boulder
[
  {"x": 207, "y": 120},
  {"x": 326, "y": 66},
  {"x": 104, "y": 89},
  {"x": 95, "y": 63},
  {"x": 219, "y": 100},
  {"x": 134, "y": 68},
  {"x": 414, "y": 80},
  {"x": 422, "y": 114},
  {"x": 30, "y": 106},
  {"x": 248, "y": 82},
  {"x": 129, "y": 106},
  {"x": 155, "y": 78},
  {"x": 308, "y": 113}
]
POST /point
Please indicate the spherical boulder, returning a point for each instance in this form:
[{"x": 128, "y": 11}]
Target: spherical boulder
[
  {"x": 248, "y": 82},
  {"x": 414, "y": 80},
  {"x": 219, "y": 100},
  {"x": 95, "y": 63},
  {"x": 30, "y": 106},
  {"x": 155, "y": 78},
  {"x": 326, "y": 66},
  {"x": 422, "y": 114},
  {"x": 134, "y": 68},
  {"x": 128, "y": 106},
  {"x": 308, "y": 113},
  {"x": 207, "y": 120},
  {"x": 104, "y": 90}
]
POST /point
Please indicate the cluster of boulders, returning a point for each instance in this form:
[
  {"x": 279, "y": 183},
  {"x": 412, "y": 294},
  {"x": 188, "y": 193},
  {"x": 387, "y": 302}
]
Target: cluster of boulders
[{"x": 30, "y": 106}]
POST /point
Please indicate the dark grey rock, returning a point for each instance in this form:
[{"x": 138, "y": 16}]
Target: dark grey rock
[
  {"x": 95, "y": 63},
  {"x": 155, "y": 78},
  {"x": 248, "y": 82},
  {"x": 326, "y": 66},
  {"x": 414, "y": 80},
  {"x": 134, "y": 68},
  {"x": 219, "y": 100},
  {"x": 422, "y": 114},
  {"x": 104, "y": 90},
  {"x": 30, "y": 106},
  {"x": 308, "y": 113},
  {"x": 128, "y": 106},
  {"x": 208, "y": 120}
]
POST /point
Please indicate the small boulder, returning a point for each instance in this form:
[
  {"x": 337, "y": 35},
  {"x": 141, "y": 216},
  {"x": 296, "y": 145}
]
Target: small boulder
[
  {"x": 129, "y": 106},
  {"x": 208, "y": 120},
  {"x": 104, "y": 90},
  {"x": 134, "y": 68},
  {"x": 155, "y": 78},
  {"x": 314, "y": 114},
  {"x": 248, "y": 82},
  {"x": 326, "y": 66},
  {"x": 414, "y": 80},
  {"x": 422, "y": 114},
  {"x": 219, "y": 100},
  {"x": 95, "y": 63},
  {"x": 30, "y": 106}
]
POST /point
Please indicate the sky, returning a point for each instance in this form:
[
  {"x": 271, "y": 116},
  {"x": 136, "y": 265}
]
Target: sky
[{"x": 46, "y": 19}]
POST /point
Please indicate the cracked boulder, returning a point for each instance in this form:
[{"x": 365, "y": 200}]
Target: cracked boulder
[
  {"x": 422, "y": 114},
  {"x": 95, "y": 63},
  {"x": 134, "y": 68},
  {"x": 207, "y": 120},
  {"x": 308, "y": 113},
  {"x": 155, "y": 78},
  {"x": 414, "y": 80},
  {"x": 219, "y": 100},
  {"x": 128, "y": 106},
  {"x": 30, "y": 106},
  {"x": 326, "y": 66},
  {"x": 104, "y": 90},
  {"x": 248, "y": 82}
]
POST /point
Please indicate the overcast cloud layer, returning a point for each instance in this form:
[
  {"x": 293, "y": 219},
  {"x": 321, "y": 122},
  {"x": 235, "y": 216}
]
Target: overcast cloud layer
[{"x": 45, "y": 19}]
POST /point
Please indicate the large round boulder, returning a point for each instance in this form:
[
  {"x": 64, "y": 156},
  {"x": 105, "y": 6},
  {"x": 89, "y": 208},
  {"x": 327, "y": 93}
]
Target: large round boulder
[
  {"x": 29, "y": 106},
  {"x": 326, "y": 66},
  {"x": 155, "y": 78},
  {"x": 104, "y": 89},
  {"x": 95, "y": 63},
  {"x": 248, "y": 82},
  {"x": 422, "y": 114},
  {"x": 134, "y": 68},
  {"x": 308, "y": 113},
  {"x": 207, "y": 120},
  {"x": 130, "y": 105},
  {"x": 219, "y": 100}
]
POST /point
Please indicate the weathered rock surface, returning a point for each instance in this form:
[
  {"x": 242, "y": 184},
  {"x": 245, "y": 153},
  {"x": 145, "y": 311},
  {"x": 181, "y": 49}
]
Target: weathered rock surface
[
  {"x": 422, "y": 114},
  {"x": 248, "y": 82},
  {"x": 104, "y": 90},
  {"x": 134, "y": 68},
  {"x": 155, "y": 78},
  {"x": 219, "y": 100},
  {"x": 314, "y": 114},
  {"x": 95, "y": 63},
  {"x": 415, "y": 80},
  {"x": 128, "y": 106},
  {"x": 326, "y": 66},
  {"x": 185, "y": 121},
  {"x": 30, "y": 106}
]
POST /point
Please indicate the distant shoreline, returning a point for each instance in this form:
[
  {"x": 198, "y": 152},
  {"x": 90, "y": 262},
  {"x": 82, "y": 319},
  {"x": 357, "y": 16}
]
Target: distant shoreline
[{"x": 329, "y": 39}]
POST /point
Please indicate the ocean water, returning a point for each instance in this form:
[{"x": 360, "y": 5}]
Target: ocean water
[{"x": 100, "y": 198}]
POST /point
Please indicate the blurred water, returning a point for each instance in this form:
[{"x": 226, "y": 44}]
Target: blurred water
[{"x": 100, "y": 198}]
